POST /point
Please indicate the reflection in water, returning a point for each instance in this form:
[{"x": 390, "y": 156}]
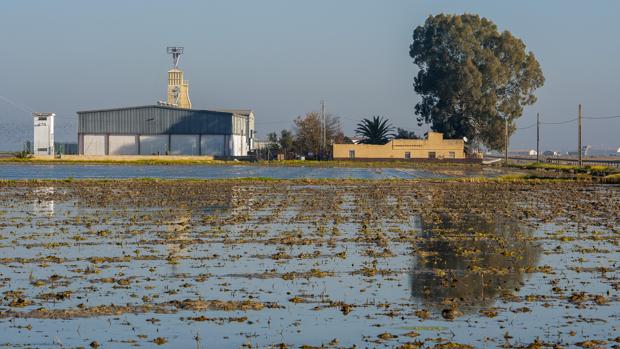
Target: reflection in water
[
  {"x": 470, "y": 261},
  {"x": 226, "y": 201},
  {"x": 43, "y": 205},
  {"x": 177, "y": 228}
]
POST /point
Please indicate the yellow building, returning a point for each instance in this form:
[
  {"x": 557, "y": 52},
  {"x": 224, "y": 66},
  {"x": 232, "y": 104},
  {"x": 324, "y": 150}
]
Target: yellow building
[
  {"x": 178, "y": 89},
  {"x": 434, "y": 147}
]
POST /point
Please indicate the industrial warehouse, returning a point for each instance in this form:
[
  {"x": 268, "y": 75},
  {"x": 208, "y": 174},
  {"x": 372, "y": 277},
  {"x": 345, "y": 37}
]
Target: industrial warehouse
[{"x": 167, "y": 128}]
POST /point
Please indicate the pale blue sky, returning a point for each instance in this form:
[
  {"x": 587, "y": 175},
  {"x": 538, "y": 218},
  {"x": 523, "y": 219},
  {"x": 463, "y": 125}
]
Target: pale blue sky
[{"x": 282, "y": 57}]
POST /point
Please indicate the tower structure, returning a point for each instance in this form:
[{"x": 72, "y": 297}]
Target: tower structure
[
  {"x": 43, "y": 133},
  {"x": 178, "y": 88}
]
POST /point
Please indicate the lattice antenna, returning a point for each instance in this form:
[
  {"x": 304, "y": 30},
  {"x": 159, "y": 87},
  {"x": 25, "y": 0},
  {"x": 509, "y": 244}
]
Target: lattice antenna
[{"x": 176, "y": 53}]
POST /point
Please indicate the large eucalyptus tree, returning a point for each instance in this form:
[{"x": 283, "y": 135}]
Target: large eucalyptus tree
[{"x": 472, "y": 78}]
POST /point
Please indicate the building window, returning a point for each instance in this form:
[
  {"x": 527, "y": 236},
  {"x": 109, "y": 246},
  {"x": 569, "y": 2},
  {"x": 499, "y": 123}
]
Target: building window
[
  {"x": 452, "y": 155},
  {"x": 432, "y": 155},
  {"x": 407, "y": 155},
  {"x": 351, "y": 154}
]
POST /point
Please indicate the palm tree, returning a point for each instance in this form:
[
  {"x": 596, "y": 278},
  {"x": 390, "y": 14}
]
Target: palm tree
[{"x": 375, "y": 131}]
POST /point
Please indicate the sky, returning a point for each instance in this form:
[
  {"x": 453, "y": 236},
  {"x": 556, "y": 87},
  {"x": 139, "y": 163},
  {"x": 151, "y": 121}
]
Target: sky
[{"x": 282, "y": 57}]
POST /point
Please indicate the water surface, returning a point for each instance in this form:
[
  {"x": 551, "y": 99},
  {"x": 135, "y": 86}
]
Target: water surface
[
  {"x": 63, "y": 171},
  {"x": 330, "y": 264}
]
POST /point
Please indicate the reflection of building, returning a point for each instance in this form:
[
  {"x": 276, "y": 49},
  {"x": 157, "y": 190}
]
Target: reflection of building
[
  {"x": 434, "y": 147},
  {"x": 43, "y": 205}
]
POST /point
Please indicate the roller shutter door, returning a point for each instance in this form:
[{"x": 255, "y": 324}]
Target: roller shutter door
[
  {"x": 153, "y": 145},
  {"x": 184, "y": 145},
  {"x": 94, "y": 145},
  {"x": 123, "y": 145}
]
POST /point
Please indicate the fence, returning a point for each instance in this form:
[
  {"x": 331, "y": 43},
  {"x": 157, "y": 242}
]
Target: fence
[
  {"x": 585, "y": 162},
  {"x": 560, "y": 161}
]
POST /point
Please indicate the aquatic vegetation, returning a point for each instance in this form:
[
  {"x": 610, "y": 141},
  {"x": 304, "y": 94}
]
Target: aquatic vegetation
[
  {"x": 612, "y": 179},
  {"x": 590, "y": 169}
]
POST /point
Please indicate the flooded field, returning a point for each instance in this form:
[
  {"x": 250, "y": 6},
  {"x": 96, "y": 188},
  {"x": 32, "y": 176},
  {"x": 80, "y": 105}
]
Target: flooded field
[
  {"x": 302, "y": 263},
  {"x": 63, "y": 171}
]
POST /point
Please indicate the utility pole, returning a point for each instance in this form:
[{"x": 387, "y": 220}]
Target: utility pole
[
  {"x": 324, "y": 127},
  {"x": 579, "y": 137},
  {"x": 506, "y": 141},
  {"x": 537, "y": 137}
]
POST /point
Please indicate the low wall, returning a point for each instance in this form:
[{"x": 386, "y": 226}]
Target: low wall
[
  {"x": 121, "y": 158},
  {"x": 425, "y": 160}
]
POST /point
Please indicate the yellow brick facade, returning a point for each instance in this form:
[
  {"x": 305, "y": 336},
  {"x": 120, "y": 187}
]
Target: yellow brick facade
[
  {"x": 178, "y": 83},
  {"x": 434, "y": 147}
]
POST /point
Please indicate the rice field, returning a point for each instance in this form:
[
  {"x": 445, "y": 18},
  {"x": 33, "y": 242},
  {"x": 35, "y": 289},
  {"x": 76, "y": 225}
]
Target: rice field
[{"x": 309, "y": 263}]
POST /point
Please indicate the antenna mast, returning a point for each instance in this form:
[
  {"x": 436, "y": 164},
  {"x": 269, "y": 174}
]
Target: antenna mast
[
  {"x": 323, "y": 136},
  {"x": 176, "y": 53}
]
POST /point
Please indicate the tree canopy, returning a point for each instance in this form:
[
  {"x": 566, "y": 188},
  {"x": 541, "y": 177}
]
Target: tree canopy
[
  {"x": 402, "y": 133},
  {"x": 375, "y": 131},
  {"x": 472, "y": 77},
  {"x": 272, "y": 142},
  {"x": 309, "y": 134},
  {"x": 286, "y": 140}
]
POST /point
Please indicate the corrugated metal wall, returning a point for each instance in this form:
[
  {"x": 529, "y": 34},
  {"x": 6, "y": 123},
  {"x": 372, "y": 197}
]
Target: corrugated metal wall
[{"x": 159, "y": 120}]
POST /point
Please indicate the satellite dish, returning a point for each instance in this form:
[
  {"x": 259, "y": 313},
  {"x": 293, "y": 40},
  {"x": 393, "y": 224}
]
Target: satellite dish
[{"x": 465, "y": 139}]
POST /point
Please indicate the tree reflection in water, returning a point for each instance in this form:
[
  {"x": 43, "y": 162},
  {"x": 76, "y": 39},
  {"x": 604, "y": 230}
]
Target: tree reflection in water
[{"x": 470, "y": 261}]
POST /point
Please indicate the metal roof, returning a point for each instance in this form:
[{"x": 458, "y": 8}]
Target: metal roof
[
  {"x": 229, "y": 111},
  {"x": 245, "y": 112},
  {"x": 158, "y": 119}
]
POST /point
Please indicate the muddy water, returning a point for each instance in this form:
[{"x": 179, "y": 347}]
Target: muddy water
[
  {"x": 229, "y": 171},
  {"x": 373, "y": 265}
]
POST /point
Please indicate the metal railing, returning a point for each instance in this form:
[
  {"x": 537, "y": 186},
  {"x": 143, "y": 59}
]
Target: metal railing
[
  {"x": 560, "y": 161},
  {"x": 585, "y": 162}
]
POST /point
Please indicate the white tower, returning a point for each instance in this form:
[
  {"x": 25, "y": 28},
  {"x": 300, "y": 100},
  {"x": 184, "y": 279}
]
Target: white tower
[{"x": 43, "y": 133}]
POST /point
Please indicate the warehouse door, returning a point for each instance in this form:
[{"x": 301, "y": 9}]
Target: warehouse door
[
  {"x": 154, "y": 145},
  {"x": 122, "y": 145},
  {"x": 184, "y": 145},
  {"x": 94, "y": 144},
  {"x": 213, "y": 145}
]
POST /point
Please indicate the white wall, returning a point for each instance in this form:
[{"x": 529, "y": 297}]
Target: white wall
[
  {"x": 239, "y": 145},
  {"x": 184, "y": 145},
  {"x": 94, "y": 145},
  {"x": 153, "y": 144},
  {"x": 122, "y": 145},
  {"x": 214, "y": 145}
]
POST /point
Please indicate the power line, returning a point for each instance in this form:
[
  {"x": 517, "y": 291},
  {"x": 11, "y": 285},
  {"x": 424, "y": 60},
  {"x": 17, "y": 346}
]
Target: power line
[
  {"x": 24, "y": 108},
  {"x": 601, "y": 117},
  {"x": 571, "y": 120},
  {"x": 560, "y": 122}
]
